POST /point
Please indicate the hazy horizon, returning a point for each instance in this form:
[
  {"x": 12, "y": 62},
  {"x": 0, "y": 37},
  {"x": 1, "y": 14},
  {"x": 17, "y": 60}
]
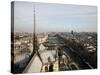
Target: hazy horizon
[{"x": 54, "y": 17}]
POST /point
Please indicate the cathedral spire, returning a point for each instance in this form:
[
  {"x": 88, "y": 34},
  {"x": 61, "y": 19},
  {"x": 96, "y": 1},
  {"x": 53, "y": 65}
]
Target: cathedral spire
[{"x": 34, "y": 31}]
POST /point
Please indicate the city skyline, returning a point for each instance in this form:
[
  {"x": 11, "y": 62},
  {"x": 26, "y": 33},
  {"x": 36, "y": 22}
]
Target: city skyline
[{"x": 54, "y": 17}]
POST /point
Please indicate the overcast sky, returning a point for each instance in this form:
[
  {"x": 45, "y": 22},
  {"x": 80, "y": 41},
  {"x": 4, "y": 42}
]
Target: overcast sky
[{"x": 54, "y": 17}]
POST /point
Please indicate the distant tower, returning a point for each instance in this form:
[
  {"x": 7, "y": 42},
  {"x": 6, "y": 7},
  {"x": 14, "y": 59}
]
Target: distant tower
[{"x": 72, "y": 32}]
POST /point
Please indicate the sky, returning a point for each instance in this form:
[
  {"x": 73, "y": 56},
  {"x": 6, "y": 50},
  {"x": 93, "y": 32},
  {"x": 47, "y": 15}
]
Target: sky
[{"x": 54, "y": 17}]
